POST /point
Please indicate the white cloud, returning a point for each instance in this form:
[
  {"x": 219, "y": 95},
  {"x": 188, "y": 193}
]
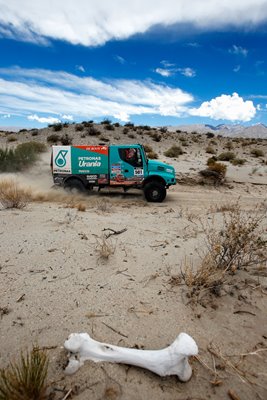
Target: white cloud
[
  {"x": 96, "y": 22},
  {"x": 120, "y": 59},
  {"x": 43, "y": 120},
  {"x": 226, "y": 107},
  {"x": 80, "y": 68},
  {"x": 238, "y": 50},
  {"x": 188, "y": 72},
  {"x": 42, "y": 91},
  {"x": 164, "y": 72},
  {"x": 67, "y": 117},
  {"x": 237, "y": 68}
]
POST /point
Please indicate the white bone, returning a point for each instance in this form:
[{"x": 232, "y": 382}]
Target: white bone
[{"x": 173, "y": 360}]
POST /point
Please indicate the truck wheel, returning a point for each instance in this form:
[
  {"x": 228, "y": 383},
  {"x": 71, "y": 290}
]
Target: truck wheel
[
  {"x": 74, "y": 186},
  {"x": 155, "y": 192}
]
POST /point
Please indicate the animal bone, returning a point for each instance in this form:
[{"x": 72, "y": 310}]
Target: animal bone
[{"x": 173, "y": 360}]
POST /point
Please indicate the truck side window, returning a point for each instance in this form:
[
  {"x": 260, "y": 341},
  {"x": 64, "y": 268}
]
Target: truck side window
[{"x": 131, "y": 155}]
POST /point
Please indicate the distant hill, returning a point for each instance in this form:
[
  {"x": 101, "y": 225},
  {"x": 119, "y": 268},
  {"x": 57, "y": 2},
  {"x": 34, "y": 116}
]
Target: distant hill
[{"x": 253, "y": 131}]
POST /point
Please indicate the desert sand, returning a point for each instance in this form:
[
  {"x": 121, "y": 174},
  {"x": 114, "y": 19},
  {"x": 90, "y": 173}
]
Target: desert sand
[{"x": 54, "y": 280}]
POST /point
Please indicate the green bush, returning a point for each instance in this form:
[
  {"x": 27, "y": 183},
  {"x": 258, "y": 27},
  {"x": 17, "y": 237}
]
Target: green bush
[
  {"x": 238, "y": 161},
  {"x": 54, "y": 138},
  {"x": 174, "y": 151},
  {"x": 92, "y": 131},
  {"x": 256, "y": 153},
  {"x": 66, "y": 140},
  {"x": 227, "y": 156},
  {"x": 23, "y": 156},
  {"x": 210, "y": 150}
]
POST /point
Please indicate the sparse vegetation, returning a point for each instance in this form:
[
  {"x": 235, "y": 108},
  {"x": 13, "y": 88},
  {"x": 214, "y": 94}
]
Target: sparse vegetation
[
  {"x": 105, "y": 248},
  {"x": 66, "y": 140},
  {"x": 210, "y": 150},
  {"x": 174, "y": 151},
  {"x": 227, "y": 156},
  {"x": 12, "y": 138},
  {"x": 12, "y": 195},
  {"x": 92, "y": 131},
  {"x": 238, "y": 161},
  {"x": 152, "y": 155},
  {"x": 24, "y": 155},
  {"x": 53, "y": 138},
  {"x": 257, "y": 153},
  {"x": 57, "y": 127},
  {"x": 25, "y": 380},
  {"x": 238, "y": 244}
]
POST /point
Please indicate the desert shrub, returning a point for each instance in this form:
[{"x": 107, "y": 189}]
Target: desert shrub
[
  {"x": 23, "y": 130},
  {"x": 152, "y": 155},
  {"x": 256, "y": 153},
  {"x": 229, "y": 145},
  {"x": 92, "y": 131},
  {"x": 174, "y": 151},
  {"x": 65, "y": 140},
  {"x": 53, "y": 138},
  {"x": 105, "y": 121},
  {"x": 218, "y": 167},
  {"x": 109, "y": 127},
  {"x": 129, "y": 124},
  {"x": 163, "y": 129},
  {"x": 145, "y": 127},
  {"x": 104, "y": 139},
  {"x": 147, "y": 148},
  {"x": 25, "y": 380},
  {"x": 212, "y": 160},
  {"x": 79, "y": 127},
  {"x": 215, "y": 172},
  {"x": 131, "y": 136},
  {"x": 156, "y": 136},
  {"x": 34, "y": 132},
  {"x": 13, "y": 196},
  {"x": 125, "y": 131},
  {"x": 12, "y": 138},
  {"x": 24, "y": 155},
  {"x": 238, "y": 244},
  {"x": 105, "y": 248},
  {"x": 117, "y": 124},
  {"x": 57, "y": 127},
  {"x": 86, "y": 124},
  {"x": 210, "y": 150},
  {"x": 238, "y": 161},
  {"x": 227, "y": 156},
  {"x": 210, "y": 135}
]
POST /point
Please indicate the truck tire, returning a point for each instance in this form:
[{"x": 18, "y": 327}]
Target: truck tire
[
  {"x": 74, "y": 186},
  {"x": 155, "y": 192}
]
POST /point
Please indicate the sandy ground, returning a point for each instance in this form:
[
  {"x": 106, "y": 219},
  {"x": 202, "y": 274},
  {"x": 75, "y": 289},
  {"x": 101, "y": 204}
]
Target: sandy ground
[{"x": 53, "y": 282}]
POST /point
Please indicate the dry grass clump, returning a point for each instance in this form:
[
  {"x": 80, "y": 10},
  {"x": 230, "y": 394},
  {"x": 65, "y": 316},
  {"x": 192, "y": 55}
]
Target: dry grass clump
[
  {"x": 25, "y": 380},
  {"x": 215, "y": 172},
  {"x": 105, "y": 248},
  {"x": 174, "y": 151},
  {"x": 257, "y": 153},
  {"x": 210, "y": 150},
  {"x": 12, "y": 195},
  {"x": 152, "y": 155},
  {"x": 239, "y": 244},
  {"x": 147, "y": 148}
]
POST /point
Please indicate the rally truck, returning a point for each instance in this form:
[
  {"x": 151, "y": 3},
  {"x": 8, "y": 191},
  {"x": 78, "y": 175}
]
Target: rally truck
[{"x": 81, "y": 168}]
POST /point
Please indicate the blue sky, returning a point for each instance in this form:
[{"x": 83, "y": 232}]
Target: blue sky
[{"x": 170, "y": 62}]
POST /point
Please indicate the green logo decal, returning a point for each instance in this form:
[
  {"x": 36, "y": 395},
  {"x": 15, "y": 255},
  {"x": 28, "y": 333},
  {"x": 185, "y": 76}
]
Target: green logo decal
[{"x": 61, "y": 158}]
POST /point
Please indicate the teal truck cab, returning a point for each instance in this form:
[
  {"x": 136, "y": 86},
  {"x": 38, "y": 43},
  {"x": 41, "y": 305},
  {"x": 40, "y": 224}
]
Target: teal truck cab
[{"x": 82, "y": 168}]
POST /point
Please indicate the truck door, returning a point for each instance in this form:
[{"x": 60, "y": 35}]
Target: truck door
[{"x": 126, "y": 165}]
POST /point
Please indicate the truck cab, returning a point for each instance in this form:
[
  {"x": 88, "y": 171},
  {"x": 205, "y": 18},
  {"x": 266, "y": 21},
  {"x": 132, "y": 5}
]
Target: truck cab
[{"x": 126, "y": 166}]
